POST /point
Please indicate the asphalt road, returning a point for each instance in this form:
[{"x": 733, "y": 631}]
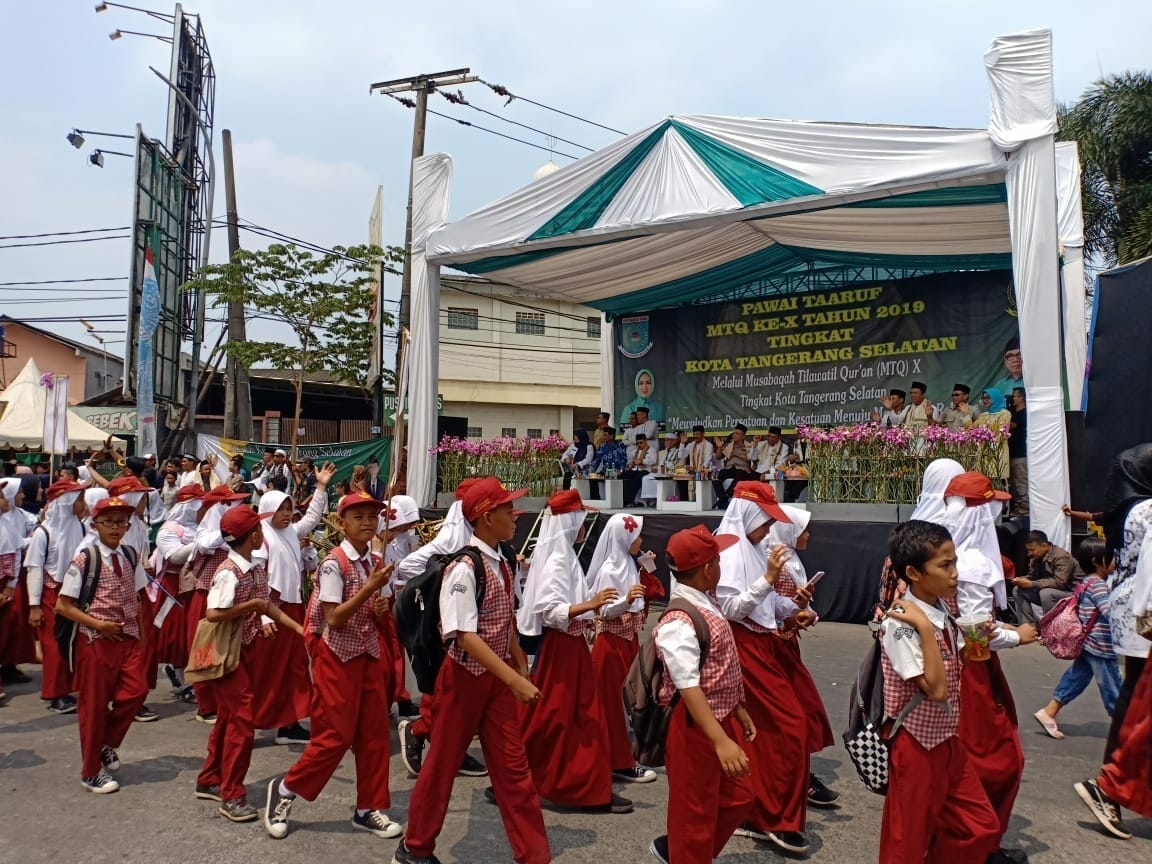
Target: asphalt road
[{"x": 46, "y": 816}]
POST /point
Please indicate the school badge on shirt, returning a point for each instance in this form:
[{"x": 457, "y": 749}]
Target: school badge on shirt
[{"x": 634, "y": 337}]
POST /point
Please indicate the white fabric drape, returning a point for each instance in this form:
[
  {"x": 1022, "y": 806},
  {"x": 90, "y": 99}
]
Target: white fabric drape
[
  {"x": 1070, "y": 216},
  {"x": 431, "y": 187},
  {"x": 607, "y": 369},
  {"x": 1023, "y": 123}
]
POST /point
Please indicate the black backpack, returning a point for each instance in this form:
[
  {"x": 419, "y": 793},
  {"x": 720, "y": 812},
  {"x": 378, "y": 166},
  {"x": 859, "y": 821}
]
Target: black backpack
[
  {"x": 417, "y": 611},
  {"x": 65, "y": 629},
  {"x": 648, "y": 718}
]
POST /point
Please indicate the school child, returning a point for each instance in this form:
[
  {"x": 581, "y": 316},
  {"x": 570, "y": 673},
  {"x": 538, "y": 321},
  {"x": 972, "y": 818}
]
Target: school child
[
  {"x": 617, "y": 639},
  {"x": 709, "y": 791},
  {"x": 564, "y": 736},
  {"x": 239, "y": 591},
  {"x": 396, "y": 524},
  {"x": 210, "y": 552},
  {"x": 175, "y": 543},
  {"x": 479, "y": 684},
  {"x": 349, "y": 707},
  {"x": 281, "y": 687},
  {"x": 1098, "y": 659},
  {"x": 17, "y": 639},
  {"x": 792, "y": 584},
  {"x": 110, "y": 678},
  {"x": 50, "y": 551},
  {"x": 936, "y": 804},
  {"x": 746, "y": 594}
]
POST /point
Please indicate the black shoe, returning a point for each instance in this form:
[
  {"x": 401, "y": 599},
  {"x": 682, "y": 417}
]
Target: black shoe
[
  {"x": 490, "y": 795},
  {"x": 277, "y": 810},
  {"x": 406, "y": 709},
  {"x": 145, "y": 715},
  {"x": 376, "y": 822},
  {"x": 472, "y": 767},
  {"x": 747, "y": 829},
  {"x": 1103, "y": 808},
  {"x": 403, "y": 856},
  {"x": 101, "y": 784},
  {"x": 635, "y": 774},
  {"x": 64, "y": 705},
  {"x": 1008, "y": 856},
  {"x": 411, "y": 748},
  {"x": 820, "y": 795},
  {"x": 659, "y": 848},
  {"x": 792, "y": 842},
  {"x": 210, "y": 719},
  {"x": 238, "y": 810},
  {"x": 13, "y": 675},
  {"x": 110, "y": 759},
  {"x": 619, "y": 805},
  {"x": 188, "y": 694},
  {"x": 173, "y": 678},
  {"x": 294, "y": 734},
  {"x": 208, "y": 793}
]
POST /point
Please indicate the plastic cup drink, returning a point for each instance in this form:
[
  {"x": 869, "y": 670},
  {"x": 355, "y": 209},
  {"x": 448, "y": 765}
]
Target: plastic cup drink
[
  {"x": 647, "y": 560},
  {"x": 976, "y": 636}
]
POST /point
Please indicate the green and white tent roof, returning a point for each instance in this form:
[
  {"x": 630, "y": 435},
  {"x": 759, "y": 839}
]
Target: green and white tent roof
[{"x": 696, "y": 205}]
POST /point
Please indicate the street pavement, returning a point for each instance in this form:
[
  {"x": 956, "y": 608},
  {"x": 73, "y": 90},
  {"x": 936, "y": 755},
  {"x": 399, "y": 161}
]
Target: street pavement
[{"x": 47, "y": 817}]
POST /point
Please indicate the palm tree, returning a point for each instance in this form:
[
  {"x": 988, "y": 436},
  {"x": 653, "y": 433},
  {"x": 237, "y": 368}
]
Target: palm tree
[{"x": 1112, "y": 124}]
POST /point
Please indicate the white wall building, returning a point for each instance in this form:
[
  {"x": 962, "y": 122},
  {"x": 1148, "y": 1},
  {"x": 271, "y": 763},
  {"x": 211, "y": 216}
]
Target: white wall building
[{"x": 515, "y": 364}]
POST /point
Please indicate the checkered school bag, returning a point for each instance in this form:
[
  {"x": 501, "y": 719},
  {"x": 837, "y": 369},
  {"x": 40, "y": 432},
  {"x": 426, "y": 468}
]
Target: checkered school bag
[{"x": 869, "y": 730}]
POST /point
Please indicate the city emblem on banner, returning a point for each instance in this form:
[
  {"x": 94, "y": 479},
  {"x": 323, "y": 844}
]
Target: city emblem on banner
[{"x": 634, "y": 337}]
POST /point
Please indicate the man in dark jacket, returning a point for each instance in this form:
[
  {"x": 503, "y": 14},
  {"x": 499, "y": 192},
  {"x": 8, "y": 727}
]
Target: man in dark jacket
[{"x": 1052, "y": 572}]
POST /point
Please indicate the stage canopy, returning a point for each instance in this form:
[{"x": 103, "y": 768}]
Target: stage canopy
[{"x": 699, "y": 208}]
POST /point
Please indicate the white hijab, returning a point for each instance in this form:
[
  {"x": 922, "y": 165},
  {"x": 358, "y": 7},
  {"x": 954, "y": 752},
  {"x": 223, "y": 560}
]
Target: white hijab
[
  {"x": 208, "y": 534},
  {"x": 973, "y": 530},
  {"x": 743, "y": 563},
  {"x": 137, "y": 536},
  {"x": 555, "y": 576},
  {"x": 787, "y": 534},
  {"x": 456, "y": 531},
  {"x": 184, "y": 513},
  {"x": 282, "y": 546},
  {"x": 930, "y": 506},
  {"x": 64, "y": 530},
  {"x": 12, "y": 523},
  {"x": 92, "y": 496},
  {"x": 613, "y": 566}
]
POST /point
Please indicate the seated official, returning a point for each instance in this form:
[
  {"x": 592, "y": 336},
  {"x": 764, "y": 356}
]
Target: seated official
[
  {"x": 1052, "y": 573},
  {"x": 641, "y": 464},
  {"x": 771, "y": 454},
  {"x": 610, "y": 456},
  {"x": 736, "y": 465},
  {"x": 577, "y": 457}
]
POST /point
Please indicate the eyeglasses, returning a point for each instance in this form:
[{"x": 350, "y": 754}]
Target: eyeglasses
[{"x": 119, "y": 523}]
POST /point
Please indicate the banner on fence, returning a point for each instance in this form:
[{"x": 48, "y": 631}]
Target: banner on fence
[
  {"x": 820, "y": 357},
  {"x": 346, "y": 455}
]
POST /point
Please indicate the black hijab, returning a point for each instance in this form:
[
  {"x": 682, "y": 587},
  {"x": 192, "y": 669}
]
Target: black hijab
[
  {"x": 1129, "y": 483},
  {"x": 582, "y": 445}
]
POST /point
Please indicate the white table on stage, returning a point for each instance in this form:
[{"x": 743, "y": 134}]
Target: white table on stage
[
  {"x": 613, "y": 493},
  {"x": 703, "y": 499}
]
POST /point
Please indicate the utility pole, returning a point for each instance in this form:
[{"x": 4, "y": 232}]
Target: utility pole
[
  {"x": 237, "y": 391},
  {"x": 422, "y": 86}
]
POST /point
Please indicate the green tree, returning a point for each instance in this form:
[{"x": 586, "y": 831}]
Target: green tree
[
  {"x": 1112, "y": 124},
  {"x": 325, "y": 300}
]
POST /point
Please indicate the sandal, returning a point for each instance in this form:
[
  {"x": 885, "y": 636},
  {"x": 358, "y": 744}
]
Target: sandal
[{"x": 1049, "y": 724}]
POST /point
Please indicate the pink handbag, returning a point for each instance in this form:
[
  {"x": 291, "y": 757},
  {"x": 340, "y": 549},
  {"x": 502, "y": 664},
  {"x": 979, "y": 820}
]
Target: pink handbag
[{"x": 1061, "y": 630}]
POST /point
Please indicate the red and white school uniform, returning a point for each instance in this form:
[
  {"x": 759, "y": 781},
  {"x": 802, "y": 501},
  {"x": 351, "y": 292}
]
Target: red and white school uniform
[
  {"x": 230, "y": 742},
  {"x": 50, "y": 550},
  {"x": 282, "y": 687},
  {"x": 780, "y": 753},
  {"x": 470, "y": 700},
  {"x": 704, "y": 806},
  {"x": 1126, "y": 776},
  {"x": 618, "y": 627},
  {"x": 935, "y": 806},
  {"x": 349, "y": 706},
  {"x": 175, "y": 544},
  {"x": 564, "y": 735},
  {"x": 397, "y": 549},
  {"x": 17, "y": 639},
  {"x": 210, "y": 553},
  {"x": 110, "y": 679}
]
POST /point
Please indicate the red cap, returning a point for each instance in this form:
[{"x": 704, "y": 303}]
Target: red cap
[
  {"x": 223, "y": 495},
  {"x": 123, "y": 485},
  {"x": 486, "y": 494},
  {"x": 464, "y": 486},
  {"x": 239, "y": 521},
  {"x": 567, "y": 501},
  {"x": 694, "y": 547},
  {"x": 106, "y": 504},
  {"x": 974, "y": 488},
  {"x": 189, "y": 493},
  {"x": 358, "y": 499},
  {"x": 763, "y": 495},
  {"x": 62, "y": 487}
]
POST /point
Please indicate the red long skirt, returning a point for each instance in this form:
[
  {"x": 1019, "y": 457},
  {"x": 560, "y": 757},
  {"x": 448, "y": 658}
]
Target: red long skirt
[
  {"x": 55, "y": 679},
  {"x": 392, "y": 655},
  {"x": 278, "y": 669},
  {"x": 1126, "y": 777},
  {"x": 173, "y": 639},
  {"x": 612, "y": 656},
  {"x": 819, "y": 727},
  {"x": 990, "y": 733},
  {"x": 17, "y": 638},
  {"x": 566, "y": 742},
  {"x": 779, "y": 755}
]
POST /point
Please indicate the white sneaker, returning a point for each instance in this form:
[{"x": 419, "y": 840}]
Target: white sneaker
[
  {"x": 101, "y": 784},
  {"x": 277, "y": 809},
  {"x": 635, "y": 774},
  {"x": 376, "y": 822}
]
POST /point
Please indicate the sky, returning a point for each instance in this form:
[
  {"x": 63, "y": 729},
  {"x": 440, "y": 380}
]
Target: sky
[{"x": 312, "y": 145}]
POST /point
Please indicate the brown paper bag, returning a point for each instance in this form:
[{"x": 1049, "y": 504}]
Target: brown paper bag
[{"x": 215, "y": 650}]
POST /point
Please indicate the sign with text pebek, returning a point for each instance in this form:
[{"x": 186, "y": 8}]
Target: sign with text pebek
[{"x": 820, "y": 357}]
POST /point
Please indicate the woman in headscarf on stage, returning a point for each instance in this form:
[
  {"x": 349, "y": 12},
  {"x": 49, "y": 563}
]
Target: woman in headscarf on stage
[
  {"x": 278, "y": 665},
  {"x": 566, "y": 744},
  {"x": 617, "y": 641},
  {"x": 793, "y": 580},
  {"x": 995, "y": 415}
]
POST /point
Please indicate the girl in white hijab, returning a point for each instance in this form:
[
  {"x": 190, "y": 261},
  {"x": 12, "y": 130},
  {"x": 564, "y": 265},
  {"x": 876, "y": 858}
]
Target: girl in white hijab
[
  {"x": 278, "y": 665},
  {"x": 566, "y": 744},
  {"x": 175, "y": 543},
  {"x": 17, "y": 640},
  {"x": 617, "y": 642}
]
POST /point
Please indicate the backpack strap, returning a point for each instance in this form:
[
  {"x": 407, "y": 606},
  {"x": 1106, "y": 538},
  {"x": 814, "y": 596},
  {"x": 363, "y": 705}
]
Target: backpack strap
[
  {"x": 47, "y": 543},
  {"x": 703, "y": 632},
  {"x": 91, "y": 575}
]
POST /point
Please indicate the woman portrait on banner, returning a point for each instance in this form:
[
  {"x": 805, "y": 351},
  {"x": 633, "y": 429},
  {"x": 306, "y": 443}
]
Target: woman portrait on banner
[{"x": 644, "y": 384}]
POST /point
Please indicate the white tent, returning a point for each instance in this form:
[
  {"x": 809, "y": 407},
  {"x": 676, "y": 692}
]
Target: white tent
[
  {"x": 22, "y": 423},
  {"x": 696, "y": 206}
]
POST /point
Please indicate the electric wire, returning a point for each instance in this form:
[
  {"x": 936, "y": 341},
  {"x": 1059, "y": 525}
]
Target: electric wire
[
  {"x": 62, "y": 242},
  {"x": 501, "y": 90},
  {"x": 458, "y": 98},
  {"x": 63, "y": 233},
  {"x": 65, "y": 281}
]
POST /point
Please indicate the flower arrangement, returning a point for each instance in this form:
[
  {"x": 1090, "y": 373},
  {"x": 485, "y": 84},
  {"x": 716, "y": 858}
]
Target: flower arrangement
[
  {"x": 869, "y": 463},
  {"x": 518, "y": 462}
]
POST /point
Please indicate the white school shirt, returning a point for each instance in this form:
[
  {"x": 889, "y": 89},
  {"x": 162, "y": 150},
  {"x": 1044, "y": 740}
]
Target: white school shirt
[
  {"x": 458, "y": 613},
  {"x": 73, "y": 579},
  {"x": 222, "y": 594},
  {"x": 973, "y": 598},
  {"x": 40, "y": 557},
  {"x": 738, "y": 605},
  {"x": 677, "y": 640},
  {"x": 330, "y": 578},
  {"x": 905, "y": 654},
  {"x": 172, "y": 547}
]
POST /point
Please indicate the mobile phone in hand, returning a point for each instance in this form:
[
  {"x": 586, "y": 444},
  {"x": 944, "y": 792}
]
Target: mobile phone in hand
[{"x": 816, "y": 578}]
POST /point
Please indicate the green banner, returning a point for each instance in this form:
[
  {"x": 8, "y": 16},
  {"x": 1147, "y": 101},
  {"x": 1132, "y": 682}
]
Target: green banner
[
  {"x": 818, "y": 358},
  {"x": 346, "y": 455}
]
